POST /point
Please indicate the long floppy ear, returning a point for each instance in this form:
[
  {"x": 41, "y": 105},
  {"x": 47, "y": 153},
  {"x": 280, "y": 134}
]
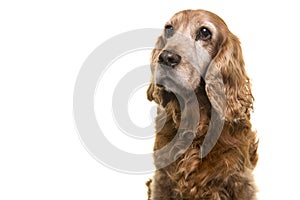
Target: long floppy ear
[
  {"x": 154, "y": 93},
  {"x": 226, "y": 75}
]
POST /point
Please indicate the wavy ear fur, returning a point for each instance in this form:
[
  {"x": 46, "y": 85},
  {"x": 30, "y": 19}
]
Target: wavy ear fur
[{"x": 226, "y": 75}]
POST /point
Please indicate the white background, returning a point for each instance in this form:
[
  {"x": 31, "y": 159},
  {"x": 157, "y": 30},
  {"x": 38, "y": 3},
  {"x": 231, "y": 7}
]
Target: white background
[{"x": 42, "y": 48}]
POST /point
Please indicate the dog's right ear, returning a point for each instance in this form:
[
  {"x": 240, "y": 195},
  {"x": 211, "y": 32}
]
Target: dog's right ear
[{"x": 152, "y": 92}]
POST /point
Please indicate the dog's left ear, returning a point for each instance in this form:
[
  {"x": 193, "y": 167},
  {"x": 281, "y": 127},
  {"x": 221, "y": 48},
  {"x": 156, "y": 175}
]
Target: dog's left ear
[
  {"x": 227, "y": 83},
  {"x": 153, "y": 92}
]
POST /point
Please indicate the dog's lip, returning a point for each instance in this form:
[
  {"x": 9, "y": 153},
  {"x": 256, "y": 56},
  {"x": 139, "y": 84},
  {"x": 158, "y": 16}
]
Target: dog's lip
[
  {"x": 160, "y": 86},
  {"x": 161, "y": 83}
]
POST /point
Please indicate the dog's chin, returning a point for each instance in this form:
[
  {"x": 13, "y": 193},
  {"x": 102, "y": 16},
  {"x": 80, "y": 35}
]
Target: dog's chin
[
  {"x": 166, "y": 88},
  {"x": 166, "y": 95}
]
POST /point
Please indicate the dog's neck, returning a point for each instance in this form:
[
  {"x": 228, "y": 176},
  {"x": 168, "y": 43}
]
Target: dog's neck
[{"x": 200, "y": 104}]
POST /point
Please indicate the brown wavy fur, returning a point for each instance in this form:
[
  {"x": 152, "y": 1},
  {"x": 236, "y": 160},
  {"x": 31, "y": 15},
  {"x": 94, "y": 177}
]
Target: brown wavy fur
[{"x": 226, "y": 172}]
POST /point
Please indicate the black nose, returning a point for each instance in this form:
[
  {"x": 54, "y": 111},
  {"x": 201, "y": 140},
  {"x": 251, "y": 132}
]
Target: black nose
[{"x": 168, "y": 58}]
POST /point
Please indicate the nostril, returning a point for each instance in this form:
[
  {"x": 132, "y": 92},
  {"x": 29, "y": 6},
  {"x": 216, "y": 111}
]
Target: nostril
[
  {"x": 173, "y": 59},
  {"x": 169, "y": 58},
  {"x": 160, "y": 58}
]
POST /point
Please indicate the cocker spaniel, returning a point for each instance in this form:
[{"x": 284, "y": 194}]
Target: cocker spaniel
[{"x": 204, "y": 147}]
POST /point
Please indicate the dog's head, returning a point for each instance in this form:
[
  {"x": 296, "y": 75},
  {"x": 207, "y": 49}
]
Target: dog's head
[{"x": 195, "y": 46}]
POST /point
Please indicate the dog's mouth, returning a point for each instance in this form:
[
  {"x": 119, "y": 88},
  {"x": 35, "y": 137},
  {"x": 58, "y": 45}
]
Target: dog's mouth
[
  {"x": 160, "y": 86},
  {"x": 162, "y": 83}
]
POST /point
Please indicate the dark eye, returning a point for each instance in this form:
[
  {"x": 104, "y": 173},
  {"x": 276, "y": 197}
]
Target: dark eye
[
  {"x": 203, "y": 34},
  {"x": 169, "y": 31}
]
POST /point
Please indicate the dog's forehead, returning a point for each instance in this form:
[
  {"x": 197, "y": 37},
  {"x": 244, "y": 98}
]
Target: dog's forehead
[{"x": 194, "y": 19}]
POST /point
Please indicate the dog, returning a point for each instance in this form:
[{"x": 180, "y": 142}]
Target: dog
[{"x": 205, "y": 147}]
